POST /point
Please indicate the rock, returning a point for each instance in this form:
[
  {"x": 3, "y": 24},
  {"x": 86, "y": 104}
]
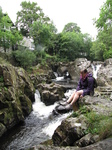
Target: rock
[
  {"x": 16, "y": 96},
  {"x": 51, "y": 93},
  {"x": 73, "y": 130},
  {"x": 103, "y": 78},
  {"x": 69, "y": 132},
  {"x": 102, "y": 145},
  {"x": 61, "y": 109},
  {"x": 73, "y": 68},
  {"x": 87, "y": 140},
  {"x": 2, "y": 129}
]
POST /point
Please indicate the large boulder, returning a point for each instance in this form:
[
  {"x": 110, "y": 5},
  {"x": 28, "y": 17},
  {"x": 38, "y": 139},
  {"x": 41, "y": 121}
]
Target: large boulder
[
  {"x": 73, "y": 68},
  {"x": 16, "y": 96},
  {"x": 41, "y": 74},
  {"x": 105, "y": 73},
  {"x": 75, "y": 130},
  {"x": 51, "y": 93}
]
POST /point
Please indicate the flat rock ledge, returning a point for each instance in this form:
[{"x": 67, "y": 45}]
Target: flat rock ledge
[
  {"x": 73, "y": 132},
  {"x": 102, "y": 145}
]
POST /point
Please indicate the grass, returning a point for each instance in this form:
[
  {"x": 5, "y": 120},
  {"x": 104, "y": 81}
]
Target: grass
[
  {"x": 1, "y": 79},
  {"x": 99, "y": 124}
]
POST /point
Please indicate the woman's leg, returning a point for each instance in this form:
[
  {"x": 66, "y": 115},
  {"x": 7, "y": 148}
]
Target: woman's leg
[
  {"x": 71, "y": 97},
  {"x": 76, "y": 96}
]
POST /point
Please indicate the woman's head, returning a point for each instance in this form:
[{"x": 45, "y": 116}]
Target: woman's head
[{"x": 83, "y": 73}]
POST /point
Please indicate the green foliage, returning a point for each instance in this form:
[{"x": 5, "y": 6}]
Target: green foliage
[
  {"x": 40, "y": 32},
  {"x": 1, "y": 79},
  {"x": 1, "y": 14},
  {"x": 97, "y": 50},
  {"x": 83, "y": 110},
  {"x": 108, "y": 54},
  {"x": 8, "y": 37},
  {"x": 40, "y": 55},
  {"x": 106, "y": 130},
  {"x": 74, "y": 114},
  {"x": 5, "y": 88},
  {"x": 105, "y": 19},
  {"x": 25, "y": 58},
  {"x": 87, "y": 44},
  {"x": 70, "y": 45},
  {"x": 99, "y": 124},
  {"x": 71, "y": 27},
  {"x": 67, "y": 46},
  {"x": 106, "y": 37},
  {"x": 29, "y": 13},
  {"x": 104, "y": 26}
]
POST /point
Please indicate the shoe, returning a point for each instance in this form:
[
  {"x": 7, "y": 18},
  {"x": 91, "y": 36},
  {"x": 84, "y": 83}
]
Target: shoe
[
  {"x": 68, "y": 107},
  {"x": 63, "y": 103}
]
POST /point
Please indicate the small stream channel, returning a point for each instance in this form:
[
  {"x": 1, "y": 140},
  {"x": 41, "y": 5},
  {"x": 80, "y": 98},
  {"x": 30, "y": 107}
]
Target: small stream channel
[{"x": 38, "y": 127}]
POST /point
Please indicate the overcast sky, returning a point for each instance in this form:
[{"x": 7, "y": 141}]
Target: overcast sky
[{"x": 62, "y": 12}]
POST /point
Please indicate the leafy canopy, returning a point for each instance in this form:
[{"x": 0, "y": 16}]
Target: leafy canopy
[
  {"x": 8, "y": 36},
  {"x": 103, "y": 46},
  {"x": 30, "y": 13},
  {"x": 71, "y": 27}
]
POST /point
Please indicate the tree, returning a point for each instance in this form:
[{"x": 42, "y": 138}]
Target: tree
[
  {"x": 97, "y": 50},
  {"x": 28, "y": 15},
  {"x": 71, "y": 27},
  {"x": 87, "y": 44},
  {"x": 108, "y": 54},
  {"x": 104, "y": 22},
  {"x": 8, "y": 37},
  {"x": 1, "y": 14},
  {"x": 70, "y": 45},
  {"x": 41, "y": 33},
  {"x": 106, "y": 37},
  {"x": 104, "y": 26},
  {"x": 54, "y": 44}
]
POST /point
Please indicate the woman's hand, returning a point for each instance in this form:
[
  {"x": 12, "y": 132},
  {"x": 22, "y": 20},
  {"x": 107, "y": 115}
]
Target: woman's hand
[{"x": 81, "y": 96}]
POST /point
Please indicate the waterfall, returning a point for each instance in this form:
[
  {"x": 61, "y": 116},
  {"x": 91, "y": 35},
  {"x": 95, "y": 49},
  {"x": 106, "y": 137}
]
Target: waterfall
[
  {"x": 50, "y": 128},
  {"x": 40, "y": 108},
  {"x": 44, "y": 111},
  {"x": 38, "y": 127},
  {"x": 95, "y": 70}
]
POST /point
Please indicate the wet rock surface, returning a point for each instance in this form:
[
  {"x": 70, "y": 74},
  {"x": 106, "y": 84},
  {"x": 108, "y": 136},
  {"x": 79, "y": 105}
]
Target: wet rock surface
[
  {"x": 16, "y": 96},
  {"x": 100, "y": 103},
  {"x": 50, "y": 93},
  {"x": 73, "y": 130},
  {"x": 102, "y": 145}
]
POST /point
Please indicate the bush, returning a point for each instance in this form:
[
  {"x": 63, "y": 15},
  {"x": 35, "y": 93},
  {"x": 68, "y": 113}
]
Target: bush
[
  {"x": 25, "y": 58},
  {"x": 108, "y": 54}
]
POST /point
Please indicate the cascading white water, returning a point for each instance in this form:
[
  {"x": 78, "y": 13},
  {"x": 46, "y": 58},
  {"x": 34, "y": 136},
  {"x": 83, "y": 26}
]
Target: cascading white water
[
  {"x": 49, "y": 130},
  {"x": 95, "y": 70},
  {"x": 44, "y": 111},
  {"x": 40, "y": 124},
  {"x": 40, "y": 108}
]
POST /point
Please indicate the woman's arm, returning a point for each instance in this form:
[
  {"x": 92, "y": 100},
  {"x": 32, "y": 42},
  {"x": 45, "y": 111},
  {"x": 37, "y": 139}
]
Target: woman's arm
[{"x": 90, "y": 86}]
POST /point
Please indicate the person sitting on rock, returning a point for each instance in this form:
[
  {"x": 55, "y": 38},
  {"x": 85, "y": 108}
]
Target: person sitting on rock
[{"x": 85, "y": 87}]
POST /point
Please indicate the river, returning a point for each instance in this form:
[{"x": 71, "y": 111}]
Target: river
[{"x": 38, "y": 127}]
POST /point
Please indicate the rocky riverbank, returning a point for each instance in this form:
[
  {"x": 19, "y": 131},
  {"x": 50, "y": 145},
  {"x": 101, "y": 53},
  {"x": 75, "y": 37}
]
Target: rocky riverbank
[
  {"x": 87, "y": 127},
  {"x": 90, "y": 126},
  {"x": 16, "y": 96}
]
